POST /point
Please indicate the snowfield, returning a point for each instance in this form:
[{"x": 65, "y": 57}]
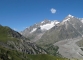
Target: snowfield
[{"x": 48, "y": 25}]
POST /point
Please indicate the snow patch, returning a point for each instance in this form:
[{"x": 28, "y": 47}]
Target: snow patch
[
  {"x": 66, "y": 20},
  {"x": 55, "y": 21},
  {"x": 34, "y": 29},
  {"x": 42, "y": 22},
  {"x": 48, "y": 26},
  {"x": 70, "y": 16}
]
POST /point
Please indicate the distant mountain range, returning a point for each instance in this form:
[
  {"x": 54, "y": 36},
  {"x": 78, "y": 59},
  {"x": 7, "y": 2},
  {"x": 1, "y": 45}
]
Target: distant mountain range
[
  {"x": 61, "y": 39},
  {"x": 37, "y": 30},
  {"x": 47, "y": 33}
]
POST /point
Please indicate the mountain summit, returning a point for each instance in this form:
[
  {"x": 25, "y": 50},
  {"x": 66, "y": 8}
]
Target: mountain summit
[
  {"x": 70, "y": 15},
  {"x": 70, "y": 27},
  {"x": 49, "y": 34},
  {"x": 37, "y": 30}
]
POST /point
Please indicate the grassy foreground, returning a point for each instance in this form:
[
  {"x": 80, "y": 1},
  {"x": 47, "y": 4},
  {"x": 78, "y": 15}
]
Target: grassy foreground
[
  {"x": 45, "y": 57},
  {"x": 7, "y": 54}
]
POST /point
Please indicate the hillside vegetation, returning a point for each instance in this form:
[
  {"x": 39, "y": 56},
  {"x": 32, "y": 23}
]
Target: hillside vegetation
[
  {"x": 7, "y": 54},
  {"x": 7, "y": 34}
]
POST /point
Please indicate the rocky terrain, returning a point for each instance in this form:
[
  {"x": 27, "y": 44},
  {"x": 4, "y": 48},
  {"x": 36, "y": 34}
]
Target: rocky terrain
[
  {"x": 62, "y": 34},
  {"x": 59, "y": 39},
  {"x": 68, "y": 48},
  {"x": 36, "y": 31}
]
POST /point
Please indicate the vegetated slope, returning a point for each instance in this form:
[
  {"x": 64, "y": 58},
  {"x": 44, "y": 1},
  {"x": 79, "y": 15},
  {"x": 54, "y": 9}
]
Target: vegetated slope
[
  {"x": 14, "y": 40},
  {"x": 8, "y": 54},
  {"x": 7, "y": 34},
  {"x": 45, "y": 57}
]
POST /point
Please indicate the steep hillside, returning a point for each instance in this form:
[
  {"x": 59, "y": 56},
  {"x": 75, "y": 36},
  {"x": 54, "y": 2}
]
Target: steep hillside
[
  {"x": 7, "y": 34},
  {"x": 13, "y": 46},
  {"x": 15, "y": 41}
]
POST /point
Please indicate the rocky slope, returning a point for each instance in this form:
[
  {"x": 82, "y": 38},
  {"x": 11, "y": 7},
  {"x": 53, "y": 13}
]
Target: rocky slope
[
  {"x": 64, "y": 35},
  {"x": 63, "y": 38},
  {"x": 69, "y": 48},
  {"x": 70, "y": 27},
  {"x": 36, "y": 31}
]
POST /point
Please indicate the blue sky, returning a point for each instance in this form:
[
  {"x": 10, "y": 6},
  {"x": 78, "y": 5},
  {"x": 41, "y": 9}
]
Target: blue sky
[{"x": 19, "y": 14}]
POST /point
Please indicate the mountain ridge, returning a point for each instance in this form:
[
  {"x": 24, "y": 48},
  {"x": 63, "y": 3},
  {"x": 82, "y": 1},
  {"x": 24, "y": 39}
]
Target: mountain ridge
[
  {"x": 70, "y": 28},
  {"x": 37, "y": 30},
  {"x": 46, "y": 37}
]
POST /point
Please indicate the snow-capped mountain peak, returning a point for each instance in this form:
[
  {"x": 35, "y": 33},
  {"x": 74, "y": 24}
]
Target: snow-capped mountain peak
[
  {"x": 55, "y": 21},
  {"x": 40, "y": 27},
  {"x": 44, "y": 25},
  {"x": 49, "y": 25},
  {"x": 70, "y": 16},
  {"x": 42, "y": 22},
  {"x": 66, "y": 20},
  {"x": 45, "y": 21}
]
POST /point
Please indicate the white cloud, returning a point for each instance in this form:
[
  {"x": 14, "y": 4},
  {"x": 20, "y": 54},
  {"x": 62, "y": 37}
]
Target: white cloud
[{"x": 53, "y": 10}]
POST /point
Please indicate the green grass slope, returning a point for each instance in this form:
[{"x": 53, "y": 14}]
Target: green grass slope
[
  {"x": 45, "y": 57},
  {"x": 7, "y": 54},
  {"x": 5, "y": 34}
]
